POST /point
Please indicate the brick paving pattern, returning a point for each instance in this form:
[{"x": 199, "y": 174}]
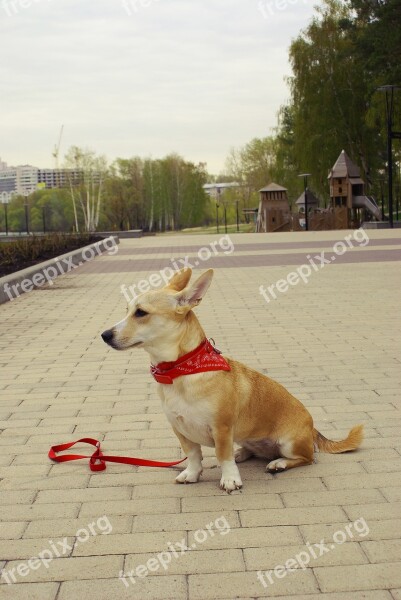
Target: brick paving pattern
[{"x": 335, "y": 343}]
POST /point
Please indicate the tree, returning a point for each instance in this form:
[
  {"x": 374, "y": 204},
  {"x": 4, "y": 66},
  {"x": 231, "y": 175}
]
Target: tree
[
  {"x": 89, "y": 191},
  {"x": 252, "y": 167},
  {"x": 329, "y": 94}
]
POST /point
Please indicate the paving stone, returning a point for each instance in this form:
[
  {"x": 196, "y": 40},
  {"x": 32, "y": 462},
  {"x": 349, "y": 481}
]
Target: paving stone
[
  {"x": 29, "y": 591},
  {"x": 359, "y": 577},
  {"x": 374, "y": 511},
  {"x": 155, "y": 541},
  {"x": 375, "y": 530},
  {"x": 188, "y": 562},
  {"x": 61, "y": 481},
  {"x": 130, "y": 507},
  {"x": 16, "y": 497},
  {"x": 85, "y": 495},
  {"x": 182, "y": 521},
  {"x": 12, "y": 530},
  {"x": 211, "y": 586},
  {"x": 327, "y": 554},
  {"x": 370, "y": 480},
  {"x": 65, "y": 569},
  {"x": 29, "y": 512},
  {"x": 231, "y": 502},
  {"x": 376, "y": 595},
  {"x": 290, "y": 516},
  {"x": 298, "y": 499},
  {"x": 382, "y": 551},
  {"x": 26, "y": 548},
  {"x": 247, "y": 537},
  {"x": 170, "y": 587},
  {"x": 69, "y": 527}
]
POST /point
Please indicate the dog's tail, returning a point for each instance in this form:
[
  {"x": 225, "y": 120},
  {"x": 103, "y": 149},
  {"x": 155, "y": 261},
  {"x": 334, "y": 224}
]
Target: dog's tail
[{"x": 352, "y": 442}]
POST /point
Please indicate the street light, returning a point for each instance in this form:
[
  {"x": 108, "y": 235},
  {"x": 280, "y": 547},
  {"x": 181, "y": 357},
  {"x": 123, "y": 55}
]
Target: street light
[
  {"x": 305, "y": 176},
  {"x": 217, "y": 209},
  {"x": 389, "y": 91},
  {"x": 5, "y": 200},
  {"x": 381, "y": 183},
  {"x": 26, "y": 213},
  {"x": 236, "y": 202},
  {"x": 225, "y": 216}
]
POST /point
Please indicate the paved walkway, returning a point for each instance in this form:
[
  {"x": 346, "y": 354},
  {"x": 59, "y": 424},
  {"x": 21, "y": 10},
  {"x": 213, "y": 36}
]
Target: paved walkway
[{"x": 334, "y": 342}]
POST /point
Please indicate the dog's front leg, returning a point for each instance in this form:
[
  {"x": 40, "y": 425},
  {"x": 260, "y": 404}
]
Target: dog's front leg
[
  {"x": 193, "y": 451},
  {"x": 224, "y": 443}
]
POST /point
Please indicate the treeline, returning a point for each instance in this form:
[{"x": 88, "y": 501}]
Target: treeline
[
  {"x": 149, "y": 194},
  {"x": 156, "y": 195},
  {"x": 338, "y": 62}
]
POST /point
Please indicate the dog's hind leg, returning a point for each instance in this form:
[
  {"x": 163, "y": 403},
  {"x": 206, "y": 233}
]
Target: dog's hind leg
[
  {"x": 242, "y": 454},
  {"x": 294, "y": 454},
  {"x": 193, "y": 451}
]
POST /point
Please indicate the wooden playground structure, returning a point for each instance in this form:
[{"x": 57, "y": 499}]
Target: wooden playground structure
[{"x": 349, "y": 205}]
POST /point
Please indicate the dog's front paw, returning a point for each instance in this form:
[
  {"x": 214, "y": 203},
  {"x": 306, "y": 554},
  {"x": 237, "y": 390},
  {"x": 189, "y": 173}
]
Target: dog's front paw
[
  {"x": 188, "y": 476},
  {"x": 229, "y": 485},
  {"x": 230, "y": 479}
]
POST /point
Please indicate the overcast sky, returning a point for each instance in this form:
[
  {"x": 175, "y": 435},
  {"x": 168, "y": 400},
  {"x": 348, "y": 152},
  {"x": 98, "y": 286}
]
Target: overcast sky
[{"x": 150, "y": 77}]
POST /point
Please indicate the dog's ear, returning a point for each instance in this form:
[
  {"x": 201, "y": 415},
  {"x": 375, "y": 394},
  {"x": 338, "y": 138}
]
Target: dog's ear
[
  {"x": 180, "y": 279},
  {"x": 193, "y": 294}
]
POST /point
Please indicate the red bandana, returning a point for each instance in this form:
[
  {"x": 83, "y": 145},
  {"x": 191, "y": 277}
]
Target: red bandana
[{"x": 204, "y": 358}]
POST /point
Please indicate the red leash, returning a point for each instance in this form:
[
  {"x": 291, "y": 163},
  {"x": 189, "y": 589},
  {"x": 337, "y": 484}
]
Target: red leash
[{"x": 97, "y": 461}]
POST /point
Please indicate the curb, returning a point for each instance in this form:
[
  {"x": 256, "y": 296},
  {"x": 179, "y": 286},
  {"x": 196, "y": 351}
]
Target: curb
[
  {"x": 131, "y": 233},
  {"x": 26, "y": 280}
]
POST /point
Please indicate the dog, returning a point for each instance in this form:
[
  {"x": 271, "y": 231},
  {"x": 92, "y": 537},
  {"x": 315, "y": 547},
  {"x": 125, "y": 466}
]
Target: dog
[{"x": 230, "y": 403}]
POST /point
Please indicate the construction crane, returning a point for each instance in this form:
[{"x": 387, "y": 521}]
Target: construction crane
[{"x": 57, "y": 148}]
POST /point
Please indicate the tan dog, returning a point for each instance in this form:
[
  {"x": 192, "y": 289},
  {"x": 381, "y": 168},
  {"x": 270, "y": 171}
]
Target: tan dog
[{"x": 218, "y": 408}]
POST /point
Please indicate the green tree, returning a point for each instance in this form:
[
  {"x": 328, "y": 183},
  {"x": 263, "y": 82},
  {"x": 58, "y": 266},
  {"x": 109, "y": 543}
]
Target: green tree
[
  {"x": 88, "y": 194},
  {"x": 329, "y": 95}
]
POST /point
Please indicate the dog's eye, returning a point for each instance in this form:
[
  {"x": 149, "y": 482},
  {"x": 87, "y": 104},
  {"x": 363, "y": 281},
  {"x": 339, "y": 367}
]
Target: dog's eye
[{"x": 140, "y": 313}]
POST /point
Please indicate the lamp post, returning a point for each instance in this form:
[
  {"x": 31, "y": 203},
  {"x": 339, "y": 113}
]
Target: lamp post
[
  {"x": 217, "y": 209},
  {"x": 236, "y": 202},
  {"x": 5, "y": 202},
  {"x": 381, "y": 182},
  {"x": 389, "y": 92},
  {"x": 26, "y": 213},
  {"x": 305, "y": 176}
]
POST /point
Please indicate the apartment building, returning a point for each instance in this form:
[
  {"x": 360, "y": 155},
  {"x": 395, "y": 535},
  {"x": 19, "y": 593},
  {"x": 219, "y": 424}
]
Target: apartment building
[{"x": 25, "y": 179}]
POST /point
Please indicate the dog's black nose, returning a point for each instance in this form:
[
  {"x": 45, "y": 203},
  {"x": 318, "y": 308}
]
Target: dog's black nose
[{"x": 107, "y": 335}]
